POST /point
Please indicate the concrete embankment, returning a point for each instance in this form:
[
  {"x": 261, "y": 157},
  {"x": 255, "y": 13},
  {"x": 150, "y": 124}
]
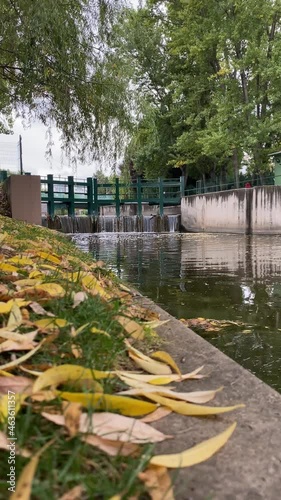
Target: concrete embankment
[
  {"x": 249, "y": 466},
  {"x": 248, "y": 211}
]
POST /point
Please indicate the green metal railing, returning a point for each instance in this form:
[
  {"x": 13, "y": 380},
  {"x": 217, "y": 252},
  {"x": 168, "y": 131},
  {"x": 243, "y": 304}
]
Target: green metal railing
[
  {"x": 210, "y": 187},
  {"x": 91, "y": 195}
]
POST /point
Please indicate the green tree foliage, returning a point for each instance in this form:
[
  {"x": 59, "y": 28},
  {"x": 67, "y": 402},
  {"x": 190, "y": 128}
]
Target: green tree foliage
[
  {"x": 55, "y": 67},
  {"x": 207, "y": 77}
]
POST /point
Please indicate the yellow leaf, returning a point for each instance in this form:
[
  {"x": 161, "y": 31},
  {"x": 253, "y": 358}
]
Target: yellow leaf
[
  {"x": 51, "y": 323},
  {"x": 24, "y": 483},
  {"x": 5, "y": 307},
  {"x": 146, "y": 363},
  {"x": 198, "y": 397},
  {"x": 98, "y": 331},
  {"x": 188, "y": 408},
  {"x": 47, "y": 256},
  {"x": 126, "y": 406},
  {"x": 8, "y": 268},
  {"x": 92, "y": 284},
  {"x": 27, "y": 282},
  {"x": 162, "y": 380},
  {"x": 67, "y": 373},
  {"x": 15, "y": 318},
  {"x": 36, "y": 274},
  {"x": 15, "y": 401},
  {"x": 76, "y": 276},
  {"x": 21, "y": 261},
  {"x": 196, "y": 454},
  {"x": 134, "y": 329},
  {"x": 166, "y": 358},
  {"x": 54, "y": 290},
  {"x": 151, "y": 366},
  {"x": 158, "y": 482}
]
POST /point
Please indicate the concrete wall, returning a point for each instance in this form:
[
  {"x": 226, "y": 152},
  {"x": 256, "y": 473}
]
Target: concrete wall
[
  {"x": 247, "y": 211},
  {"x": 24, "y": 194}
]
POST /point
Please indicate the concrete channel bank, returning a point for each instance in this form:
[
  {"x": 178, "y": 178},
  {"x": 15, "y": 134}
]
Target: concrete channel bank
[
  {"x": 247, "y": 211},
  {"x": 249, "y": 466}
]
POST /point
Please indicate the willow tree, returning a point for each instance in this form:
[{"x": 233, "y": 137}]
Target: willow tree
[{"x": 54, "y": 67}]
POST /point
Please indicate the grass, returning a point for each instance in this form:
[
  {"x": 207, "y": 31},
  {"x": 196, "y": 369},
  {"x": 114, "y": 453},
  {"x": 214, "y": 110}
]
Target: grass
[{"x": 69, "y": 461}]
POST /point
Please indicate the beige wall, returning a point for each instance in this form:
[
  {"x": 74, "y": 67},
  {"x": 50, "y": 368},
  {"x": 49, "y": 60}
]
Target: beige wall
[
  {"x": 248, "y": 211},
  {"x": 24, "y": 193}
]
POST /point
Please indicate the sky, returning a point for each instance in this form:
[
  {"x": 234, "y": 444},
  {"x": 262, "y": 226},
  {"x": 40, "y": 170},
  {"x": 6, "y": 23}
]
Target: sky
[{"x": 34, "y": 147}]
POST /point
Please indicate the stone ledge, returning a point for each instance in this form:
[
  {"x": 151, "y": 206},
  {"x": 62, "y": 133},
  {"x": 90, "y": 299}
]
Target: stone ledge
[{"x": 249, "y": 466}]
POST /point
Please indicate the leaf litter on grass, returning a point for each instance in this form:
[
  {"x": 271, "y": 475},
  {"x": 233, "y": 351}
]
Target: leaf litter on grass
[{"x": 51, "y": 295}]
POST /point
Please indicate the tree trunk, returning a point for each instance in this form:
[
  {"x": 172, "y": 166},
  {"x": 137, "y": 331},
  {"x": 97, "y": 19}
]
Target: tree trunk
[{"x": 236, "y": 166}]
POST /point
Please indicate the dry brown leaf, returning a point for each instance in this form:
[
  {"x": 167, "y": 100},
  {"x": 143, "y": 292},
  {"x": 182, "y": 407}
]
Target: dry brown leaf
[
  {"x": 76, "y": 351},
  {"x": 25, "y": 344},
  {"x": 72, "y": 413},
  {"x": 15, "y": 384},
  {"x": 158, "y": 482},
  {"x": 19, "y": 361},
  {"x": 114, "y": 427},
  {"x": 39, "y": 309},
  {"x": 156, "y": 415},
  {"x": 4, "y": 445},
  {"x": 78, "y": 298},
  {"x": 73, "y": 494},
  {"x": 110, "y": 447}
]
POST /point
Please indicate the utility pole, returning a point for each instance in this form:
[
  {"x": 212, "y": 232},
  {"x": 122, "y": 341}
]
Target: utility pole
[{"x": 21, "y": 165}]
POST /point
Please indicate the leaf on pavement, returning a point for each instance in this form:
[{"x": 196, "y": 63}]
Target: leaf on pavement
[
  {"x": 196, "y": 454},
  {"x": 157, "y": 482},
  {"x": 134, "y": 329},
  {"x": 156, "y": 415},
  {"x": 188, "y": 408},
  {"x": 167, "y": 359},
  {"x": 112, "y": 448}
]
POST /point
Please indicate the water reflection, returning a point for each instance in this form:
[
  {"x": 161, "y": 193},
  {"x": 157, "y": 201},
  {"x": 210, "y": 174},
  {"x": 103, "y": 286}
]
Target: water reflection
[{"x": 216, "y": 276}]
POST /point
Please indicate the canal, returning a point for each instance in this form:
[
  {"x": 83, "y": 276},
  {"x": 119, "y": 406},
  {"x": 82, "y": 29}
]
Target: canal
[{"x": 214, "y": 276}]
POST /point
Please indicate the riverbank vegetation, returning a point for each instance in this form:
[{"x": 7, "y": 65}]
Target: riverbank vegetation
[{"x": 80, "y": 368}]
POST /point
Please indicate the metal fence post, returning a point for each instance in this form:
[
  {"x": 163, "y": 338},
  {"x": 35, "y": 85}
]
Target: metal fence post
[
  {"x": 50, "y": 202},
  {"x": 161, "y": 196},
  {"x": 139, "y": 196},
  {"x": 95, "y": 197},
  {"x": 90, "y": 195},
  {"x": 117, "y": 197},
  {"x": 71, "y": 205}
]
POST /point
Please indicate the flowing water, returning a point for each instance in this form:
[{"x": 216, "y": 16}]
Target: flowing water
[{"x": 218, "y": 276}]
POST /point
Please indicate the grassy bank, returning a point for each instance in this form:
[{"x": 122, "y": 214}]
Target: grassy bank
[{"x": 70, "y": 340}]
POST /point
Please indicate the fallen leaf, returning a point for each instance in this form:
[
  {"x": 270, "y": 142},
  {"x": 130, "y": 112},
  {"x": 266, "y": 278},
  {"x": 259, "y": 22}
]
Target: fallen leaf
[
  {"x": 156, "y": 415},
  {"x": 93, "y": 285},
  {"x": 196, "y": 454},
  {"x": 114, "y": 427},
  {"x": 27, "y": 282},
  {"x": 160, "y": 380},
  {"x": 18, "y": 399},
  {"x": 20, "y": 360},
  {"x": 157, "y": 482},
  {"x": 39, "y": 309},
  {"x": 198, "y": 397},
  {"x": 112, "y": 448},
  {"x": 167, "y": 359},
  {"x": 67, "y": 373},
  {"x": 73, "y": 494},
  {"x": 15, "y": 384},
  {"x": 8, "y": 268},
  {"x": 15, "y": 318},
  {"x": 188, "y": 408},
  {"x": 21, "y": 261},
  {"x": 151, "y": 366},
  {"x": 72, "y": 413},
  {"x": 24, "y": 483},
  {"x": 50, "y": 323},
  {"x": 78, "y": 298},
  {"x": 100, "y": 332},
  {"x": 24, "y": 344},
  {"x": 134, "y": 329},
  {"x": 4, "y": 445},
  {"x": 126, "y": 406},
  {"x": 48, "y": 256}
]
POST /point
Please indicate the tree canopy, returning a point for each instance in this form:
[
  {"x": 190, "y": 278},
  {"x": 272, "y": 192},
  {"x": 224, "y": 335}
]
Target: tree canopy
[
  {"x": 54, "y": 67},
  {"x": 207, "y": 76}
]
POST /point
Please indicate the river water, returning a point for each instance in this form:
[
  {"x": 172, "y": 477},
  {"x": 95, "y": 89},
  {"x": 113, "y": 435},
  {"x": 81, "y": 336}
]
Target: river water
[{"x": 216, "y": 276}]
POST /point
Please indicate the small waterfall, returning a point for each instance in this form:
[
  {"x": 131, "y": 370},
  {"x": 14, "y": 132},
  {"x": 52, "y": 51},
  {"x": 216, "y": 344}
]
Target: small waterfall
[
  {"x": 112, "y": 224},
  {"x": 174, "y": 223},
  {"x": 82, "y": 224},
  {"x": 108, "y": 224}
]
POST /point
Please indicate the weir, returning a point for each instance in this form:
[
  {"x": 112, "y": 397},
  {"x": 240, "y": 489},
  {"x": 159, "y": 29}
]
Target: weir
[{"x": 112, "y": 224}]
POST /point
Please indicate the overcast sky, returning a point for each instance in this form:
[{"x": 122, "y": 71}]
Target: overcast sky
[{"x": 34, "y": 146}]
